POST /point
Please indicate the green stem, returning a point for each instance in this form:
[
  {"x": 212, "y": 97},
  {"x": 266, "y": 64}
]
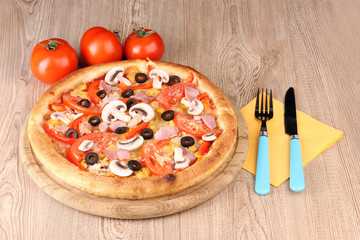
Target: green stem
[
  {"x": 142, "y": 33},
  {"x": 52, "y": 45}
]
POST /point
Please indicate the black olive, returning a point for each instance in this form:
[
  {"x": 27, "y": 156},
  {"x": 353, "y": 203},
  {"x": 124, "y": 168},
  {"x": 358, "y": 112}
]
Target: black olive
[
  {"x": 134, "y": 165},
  {"x": 187, "y": 141},
  {"x": 91, "y": 158},
  {"x": 71, "y": 132},
  {"x": 140, "y": 77},
  {"x": 94, "y": 120},
  {"x": 127, "y": 93},
  {"x": 168, "y": 115},
  {"x": 173, "y": 80},
  {"x": 131, "y": 102},
  {"x": 147, "y": 133},
  {"x": 120, "y": 130},
  {"x": 101, "y": 94},
  {"x": 84, "y": 103}
]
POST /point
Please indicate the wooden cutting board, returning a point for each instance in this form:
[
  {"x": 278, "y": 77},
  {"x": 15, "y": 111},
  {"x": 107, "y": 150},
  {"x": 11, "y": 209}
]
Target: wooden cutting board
[{"x": 134, "y": 209}]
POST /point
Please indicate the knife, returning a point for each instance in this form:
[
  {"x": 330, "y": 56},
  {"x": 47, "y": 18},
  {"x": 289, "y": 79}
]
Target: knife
[{"x": 297, "y": 181}]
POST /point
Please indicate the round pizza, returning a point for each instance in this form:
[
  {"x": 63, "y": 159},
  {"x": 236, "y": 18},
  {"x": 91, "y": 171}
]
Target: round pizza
[{"x": 133, "y": 129}]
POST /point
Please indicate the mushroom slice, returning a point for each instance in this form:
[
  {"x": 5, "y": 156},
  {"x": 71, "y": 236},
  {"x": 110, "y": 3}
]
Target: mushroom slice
[
  {"x": 112, "y": 76},
  {"x": 86, "y": 145},
  {"x": 196, "y": 107},
  {"x": 158, "y": 76},
  {"x": 180, "y": 161},
  {"x": 120, "y": 168},
  {"x": 146, "y": 111},
  {"x": 60, "y": 116},
  {"x": 115, "y": 110},
  {"x": 208, "y": 137},
  {"x": 131, "y": 144},
  {"x": 182, "y": 165}
]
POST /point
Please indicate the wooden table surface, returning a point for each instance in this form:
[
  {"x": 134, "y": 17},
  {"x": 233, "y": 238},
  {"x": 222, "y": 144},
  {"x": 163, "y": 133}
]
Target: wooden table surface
[{"x": 240, "y": 45}]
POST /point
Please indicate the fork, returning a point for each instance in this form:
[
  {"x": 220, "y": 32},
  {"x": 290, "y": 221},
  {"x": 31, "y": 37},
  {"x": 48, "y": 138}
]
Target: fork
[{"x": 264, "y": 113}]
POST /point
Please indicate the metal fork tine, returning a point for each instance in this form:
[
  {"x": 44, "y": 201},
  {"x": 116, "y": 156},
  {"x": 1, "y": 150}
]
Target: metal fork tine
[
  {"x": 262, "y": 102},
  {"x": 266, "y": 102},
  {"x": 271, "y": 101},
  {"x": 257, "y": 102}
]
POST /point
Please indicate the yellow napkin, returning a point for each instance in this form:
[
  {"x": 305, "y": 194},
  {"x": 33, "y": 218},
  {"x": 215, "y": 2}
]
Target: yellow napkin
[{"x": 314, "y": 138}]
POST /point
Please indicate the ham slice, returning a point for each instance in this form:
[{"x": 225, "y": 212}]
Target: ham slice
[
  {"x": 104, "y": 86},
  {"x": 166, "y": 132},
  {"x": 209, "y": 120},
  {"x": 187, "y": 154},
  {"x": 142, "y": 96},
  {"x": 61, "y": 128},
  {"x": 85, "y": 128},
  {"x": 119, "y": 154},
  {"x": 116, "y": 125},
  {"x": 191, "y": 93},
  {"x": 111, "y": 97},
  {"x": 103, "y": 127}
]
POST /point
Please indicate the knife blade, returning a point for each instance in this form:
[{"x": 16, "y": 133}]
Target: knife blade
[{"x": 297, "y": 181}]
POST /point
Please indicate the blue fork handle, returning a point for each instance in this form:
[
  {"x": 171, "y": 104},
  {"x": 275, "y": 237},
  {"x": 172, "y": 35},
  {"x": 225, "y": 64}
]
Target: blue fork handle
[
  {"x": 262, "y": 178},
  {"x": 297, "y": 181}
]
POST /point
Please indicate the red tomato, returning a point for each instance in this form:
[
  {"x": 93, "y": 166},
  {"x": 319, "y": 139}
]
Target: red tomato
[
  {"x": 102, "y": 139},
  {"x": 72, "y": 102},
  {"x": 193, "y": 127},
  {"x": 171, "y": 95},
  {"x": 53, "y": 59},
  {"x": 99, "y": 45},
  {"x": 148, "y": 154},
  {"x": 144, "y": 43}
]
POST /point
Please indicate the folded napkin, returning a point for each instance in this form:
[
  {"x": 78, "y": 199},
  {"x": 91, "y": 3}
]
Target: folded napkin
[{"x": 314, "y": 138}]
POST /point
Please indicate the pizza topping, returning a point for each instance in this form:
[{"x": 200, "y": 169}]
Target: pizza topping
[
  {"x": 101, "y": 94},
  {"x": 134, "y": 165},
  {"x": 142, "y": 96},
  {"x": 144, "y": 109},
  {"x": 127, "y": 93},
  {"x": 103, "y": 127},
  {"x": 191, "y": 93},
  {"x": 94, "y": 120},
  {"x": 115, "y": 110},
  {"x": 166, "y": 132},
  {"x": 110, "y": 98},
  {"x": 173, "y": 80},
  {"x": 60, "y": 116},
  {"x": 86, "y": 145},
  {"x": 113, "y": 126},
  {"x": 120, "y": 168},
  {"x": 171, "y": 95},
  {"x": 168, "y": 115},
  {"x": 147, "y": 133},
  {"x": 187, "y": 141},
  {"x": 131, "y": 102},
  {"x": 84, "y": 103},
  {"x": 120, "y": 130},
  {"x": 103, "y": 86},
  {"x": 180, "y": 161},
  {"x": 195, "y": 106},
  {"x": 135, "y": 120},
  {"x": 131, "y": 144},
  {"x": 91, "y": 158},
  {"x": 115, "y": 75},
  {"x": 189, "y": 155},
  {"x": 61, "y": 128},
  {"x": 158, "y": 76},
  {"x": 209, "y": 137},
  {"x": 71, "y": 133},
  {"x": 209, "y": 120},
  {"x": 85, "y": 128},
  {"x": 140, "y": 77}
]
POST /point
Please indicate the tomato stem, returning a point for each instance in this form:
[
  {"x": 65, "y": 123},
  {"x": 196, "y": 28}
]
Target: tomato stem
[
  {"x": 142, "y": 33},
  {"x": 116, "y": 32},
  {"x": 52, "y": 45}
]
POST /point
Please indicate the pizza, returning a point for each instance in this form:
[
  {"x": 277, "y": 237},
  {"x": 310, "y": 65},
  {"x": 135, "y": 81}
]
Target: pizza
[{"x": 133, "y": 129}]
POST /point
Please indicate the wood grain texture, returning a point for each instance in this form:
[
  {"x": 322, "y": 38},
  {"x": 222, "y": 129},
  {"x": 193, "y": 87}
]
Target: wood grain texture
[
  {"x": 240, "y": 45},
  {"x": 136, "y": 209}
]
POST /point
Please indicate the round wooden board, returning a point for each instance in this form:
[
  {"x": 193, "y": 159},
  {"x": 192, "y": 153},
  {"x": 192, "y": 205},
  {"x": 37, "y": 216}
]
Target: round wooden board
[{"x": 135, "y": 209}]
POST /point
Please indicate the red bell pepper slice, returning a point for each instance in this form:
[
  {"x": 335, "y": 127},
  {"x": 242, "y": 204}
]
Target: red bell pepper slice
[
  {"x": 56, "y": 136},
  {"x": 137, "y": 129},
  {"x": 92, "y": 90},
  {"x": 204, "y": 148},
  {"x": 72, "y": 102}
]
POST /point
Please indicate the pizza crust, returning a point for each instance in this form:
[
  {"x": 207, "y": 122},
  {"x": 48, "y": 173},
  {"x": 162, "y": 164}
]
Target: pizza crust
[{"x": 132, "y": 188}]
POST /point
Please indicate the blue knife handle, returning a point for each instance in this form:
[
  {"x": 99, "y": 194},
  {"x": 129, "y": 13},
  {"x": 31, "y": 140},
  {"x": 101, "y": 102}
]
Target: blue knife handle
[
  {"x": 297, "y": 181},
  {"x": 262, "y": 179}
]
